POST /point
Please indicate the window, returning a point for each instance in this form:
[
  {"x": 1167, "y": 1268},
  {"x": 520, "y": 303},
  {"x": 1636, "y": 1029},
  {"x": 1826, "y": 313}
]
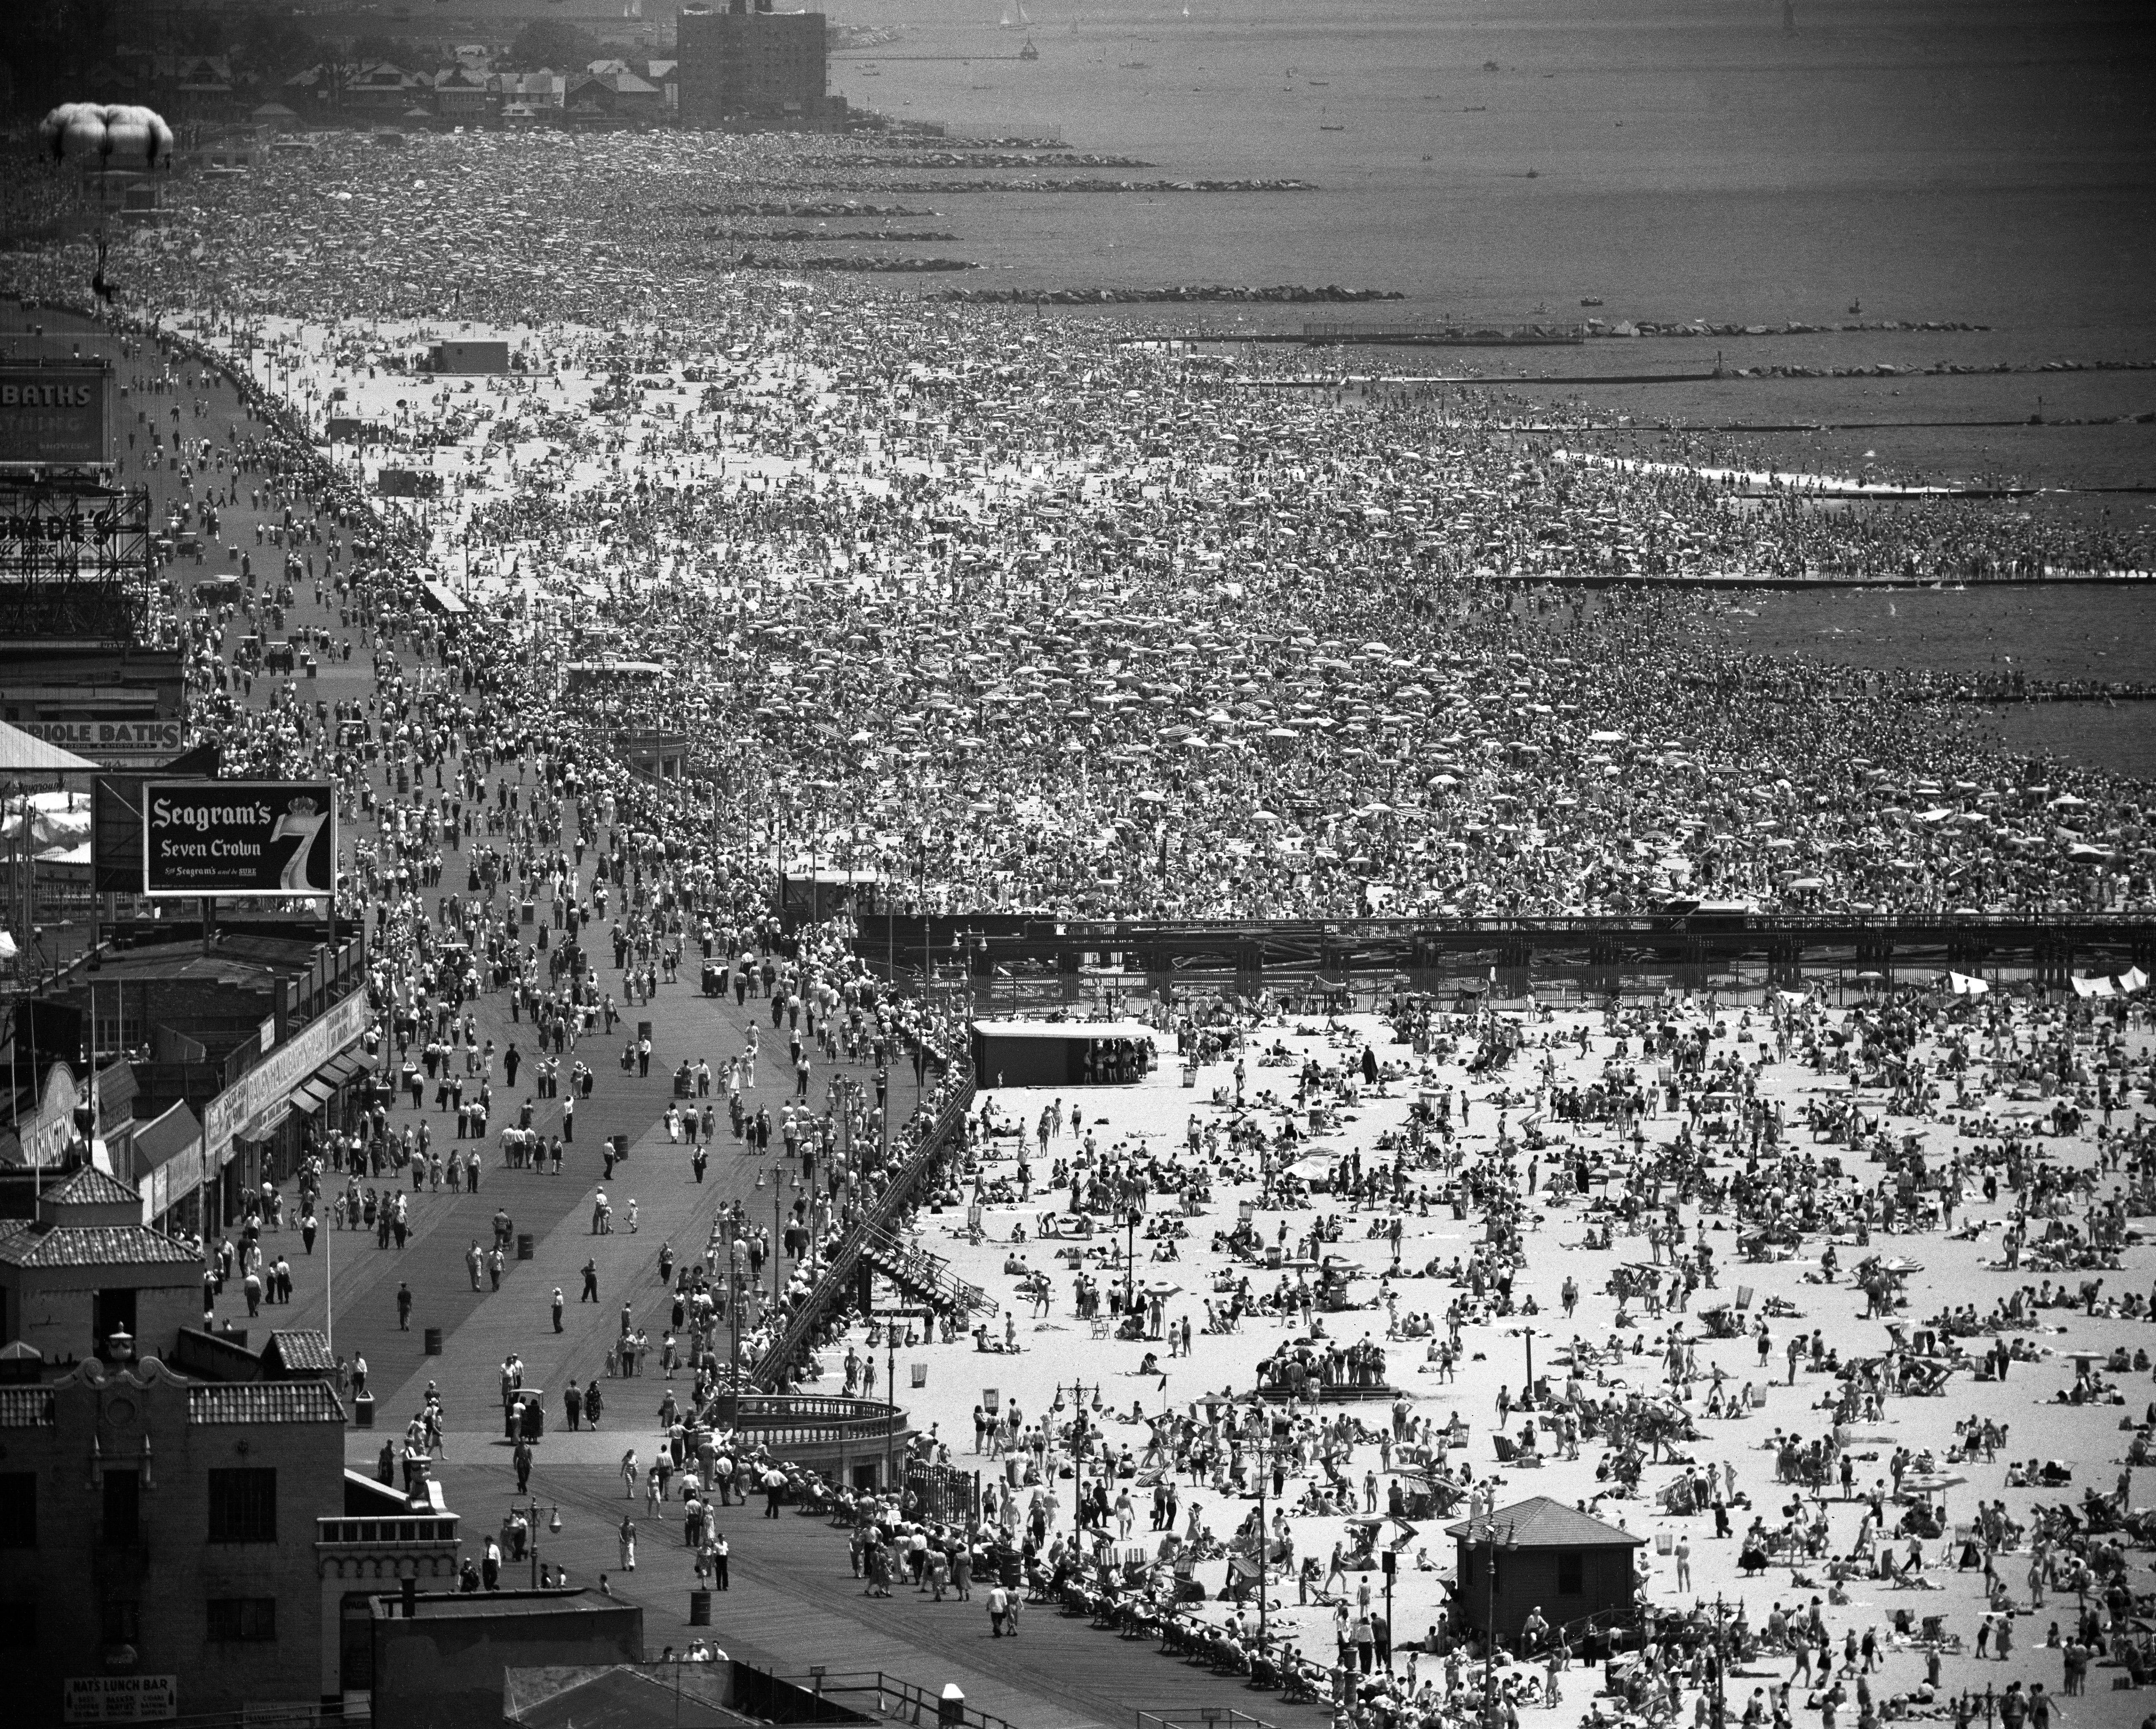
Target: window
[
  {"x": 243, "y": 1507},
  {"x": 242, "y": 1619},
  {"x": 123, "y": 1508},
  {"x": 19, "y": 1510},
  {"x": 18, "y": 1626},
  {"x": 111, "y": 1311},
  {"x": 1568, "y": 1576},
  {"x": 121, "y": 1622}
]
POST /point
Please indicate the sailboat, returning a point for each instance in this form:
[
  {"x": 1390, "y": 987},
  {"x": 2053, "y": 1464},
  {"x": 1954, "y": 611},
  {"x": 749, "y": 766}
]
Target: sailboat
[{"x": 1028, "y": 52}]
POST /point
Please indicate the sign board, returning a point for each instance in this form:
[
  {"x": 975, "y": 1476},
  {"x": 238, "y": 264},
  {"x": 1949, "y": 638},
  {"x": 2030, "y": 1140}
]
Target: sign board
[
  {"x": 117, "y": 744},
  {"x": 53, "y": 414},
  {"x": 121, "y": 1699},
  {"x": 115, "y": 821},
  {"x": 242, "y": 839},
  {"x": 242, "y": 1108}
]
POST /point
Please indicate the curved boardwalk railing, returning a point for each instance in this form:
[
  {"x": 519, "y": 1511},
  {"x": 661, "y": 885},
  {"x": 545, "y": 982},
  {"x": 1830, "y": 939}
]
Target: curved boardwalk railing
[{"x": 876, "y": 1221}]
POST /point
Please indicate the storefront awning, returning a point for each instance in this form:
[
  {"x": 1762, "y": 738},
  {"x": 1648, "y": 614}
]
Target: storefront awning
[
  {"x": 342, "y": 1068},
  {"x": 313, "y": 1092},
  {"x": 309, "y": 1099}
]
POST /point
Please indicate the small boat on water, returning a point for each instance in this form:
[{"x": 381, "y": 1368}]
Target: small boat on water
[{"x": 1028, "y": 52}]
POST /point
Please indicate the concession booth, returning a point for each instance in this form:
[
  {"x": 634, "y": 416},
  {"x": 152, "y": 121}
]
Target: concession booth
[{"x": 1021, "y": 1052}]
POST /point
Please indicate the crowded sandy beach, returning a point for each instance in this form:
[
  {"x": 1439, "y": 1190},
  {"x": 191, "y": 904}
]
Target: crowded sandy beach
[{"x": 1832, "y": 1296}]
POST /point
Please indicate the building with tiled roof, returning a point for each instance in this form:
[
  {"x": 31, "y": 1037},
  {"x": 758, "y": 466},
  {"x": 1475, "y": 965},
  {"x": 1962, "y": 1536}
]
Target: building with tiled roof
[
  {"x": 93, "y": 1197},
  {"x": 293, "y": 1352},
  {"x": 97, "y": 1246},
  {"x": 266, "y": 1401},
  {"x": 1539, "y": 1522},
  {"x": 66, "y": 1287}
]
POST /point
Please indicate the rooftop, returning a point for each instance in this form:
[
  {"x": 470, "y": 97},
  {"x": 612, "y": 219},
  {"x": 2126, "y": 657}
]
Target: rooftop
[
  {"x": 266, "y": 1401},
  {"x": 489, "y": 1605},
  {"x": 91, "y": 1187},
  {"x": 619, "y": 1697},
  {"x": 91, "y": 1245},
  {"x": 301, "y": 1350},
  {"x": 1540, "y": 1523},
  {"x": 1064, "y": 1030}
]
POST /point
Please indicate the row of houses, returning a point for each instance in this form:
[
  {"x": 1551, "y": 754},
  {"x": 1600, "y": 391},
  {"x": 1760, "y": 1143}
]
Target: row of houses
[
  {"x": 201, "y": 89},
  {"x": 617, "y": 90}
]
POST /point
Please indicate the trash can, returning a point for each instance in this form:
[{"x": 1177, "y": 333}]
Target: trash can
[
  {"x": 620, "y": 1148},
  {"x": 525, "y": 912},
  {"x": 363, "y": 1411},
  {"x": 524, "y": 1245},
  {"x": 711, "y": 980},
  {"x": 951, "y": 1708},
  {"x": 434, "y": 1341},
  {"x": 700, "y": 1609}
]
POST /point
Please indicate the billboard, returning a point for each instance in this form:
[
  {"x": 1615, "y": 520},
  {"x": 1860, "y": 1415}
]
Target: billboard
[
  {"x": 55, "y": 413},
  {"x": 116, "y": 820},
  {"x": 239, "y": 839}
]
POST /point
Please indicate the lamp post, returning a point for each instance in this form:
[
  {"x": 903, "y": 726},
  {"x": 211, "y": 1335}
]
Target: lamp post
[
  {"x": 1527, "y": 1387},
  {"x": 531, "y": 1511},
  {"x": 1490, "y": 1616},
  {"x": 736, "y": 1253},
  {"x": 1130, "y": 1254},
  {"x": 1079, "y": 1432},
  {"x": 1265, "y": 1446}
]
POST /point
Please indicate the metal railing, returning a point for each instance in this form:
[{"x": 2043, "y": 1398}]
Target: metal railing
[
  {"x": 844, "y": 1259},
  {"x": 930, "y": 1277},
  {"x": 298, "y": 1714},
  {"x": 439, "y": 1529},
  {"x": 1199, "y": 1716},
  {"x": 895, "y": 1698}
]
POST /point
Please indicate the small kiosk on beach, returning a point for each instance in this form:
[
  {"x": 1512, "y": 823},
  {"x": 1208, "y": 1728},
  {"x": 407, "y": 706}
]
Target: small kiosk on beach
[{"x": 1062, "y": 1052}]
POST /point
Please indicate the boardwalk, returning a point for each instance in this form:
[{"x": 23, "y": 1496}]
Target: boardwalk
[{"x": 793, "y": 1603}]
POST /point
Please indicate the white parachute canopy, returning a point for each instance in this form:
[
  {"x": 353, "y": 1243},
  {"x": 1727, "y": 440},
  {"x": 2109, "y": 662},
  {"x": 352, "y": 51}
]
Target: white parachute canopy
[{"x": 96, "y": 135}]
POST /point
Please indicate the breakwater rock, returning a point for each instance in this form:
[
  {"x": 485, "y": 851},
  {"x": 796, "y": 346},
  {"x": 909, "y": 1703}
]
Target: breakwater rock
[
  {"x": 1286, "y": 293},
  {"x": 1043, "y": 184},
  {"x": 826, "y": 236},
  {"x": 992, "y": 159},
  {"x": 845, "y": 208},
  {"x": 875, "y": 266},
  {"x": 1701, "y": 327}
]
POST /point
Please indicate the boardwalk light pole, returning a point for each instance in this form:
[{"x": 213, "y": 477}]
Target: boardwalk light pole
[
  {"x": 1079, "y": 1436},
  {"x": 1490, "y": 1543},
  {"x": 531, "y": 1511}
]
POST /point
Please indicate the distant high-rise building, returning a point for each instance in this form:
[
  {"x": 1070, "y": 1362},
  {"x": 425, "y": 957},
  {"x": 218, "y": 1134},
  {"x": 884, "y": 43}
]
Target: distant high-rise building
[{"x": 755, "y": 70}]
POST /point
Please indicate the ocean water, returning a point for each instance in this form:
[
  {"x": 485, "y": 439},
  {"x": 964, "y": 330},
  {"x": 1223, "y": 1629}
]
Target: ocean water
[
  {"x": 2059, "y": 633},
  {"x": 1985, "y": 162}
]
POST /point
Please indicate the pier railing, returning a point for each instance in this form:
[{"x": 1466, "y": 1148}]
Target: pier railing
[{"x": 877, "y": 1221}]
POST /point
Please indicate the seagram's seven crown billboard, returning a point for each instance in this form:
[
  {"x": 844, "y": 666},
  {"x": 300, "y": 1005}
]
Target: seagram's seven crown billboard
[{"x": 239, "y": 839}]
